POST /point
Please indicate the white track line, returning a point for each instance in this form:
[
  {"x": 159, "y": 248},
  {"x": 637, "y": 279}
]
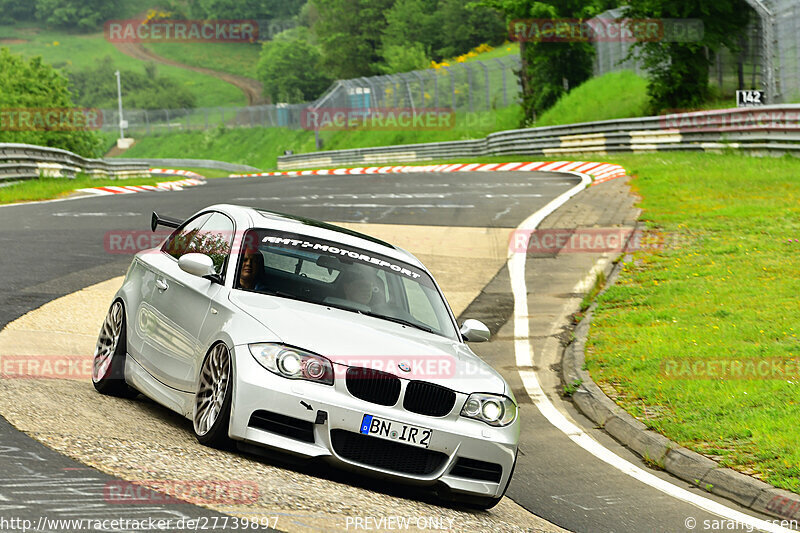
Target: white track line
[{"x": 524, "y": 356}]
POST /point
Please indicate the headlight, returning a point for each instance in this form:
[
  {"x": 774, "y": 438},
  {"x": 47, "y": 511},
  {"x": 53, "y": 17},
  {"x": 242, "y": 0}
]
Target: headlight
[
  {"x": 493, "y": 409},
  {"x": 293, "y": 363}
]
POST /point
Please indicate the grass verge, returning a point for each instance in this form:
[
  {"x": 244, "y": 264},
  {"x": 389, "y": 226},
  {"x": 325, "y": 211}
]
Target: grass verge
[
  {"x": 260, "y": 147},
  {"x": 50, "y": 188},
  {"x": 724, "y": 289}
]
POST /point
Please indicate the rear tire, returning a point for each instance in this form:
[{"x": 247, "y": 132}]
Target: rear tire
[
  {"x": 212, "y": 402},
  {"x": 108, "y": 368}
]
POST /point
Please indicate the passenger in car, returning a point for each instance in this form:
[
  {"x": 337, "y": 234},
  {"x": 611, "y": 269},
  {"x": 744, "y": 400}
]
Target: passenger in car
[{"x": 251, "y": 276}]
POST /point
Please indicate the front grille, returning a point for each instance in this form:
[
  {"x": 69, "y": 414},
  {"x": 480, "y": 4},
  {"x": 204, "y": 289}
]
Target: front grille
[
  {"x": 474, "y": 469},
  {"x": 373, "y": 386},
  {"x": 386, "y": 454},
  {"x": 294, "y": 428},
  {"x": 428, "y": 399}
]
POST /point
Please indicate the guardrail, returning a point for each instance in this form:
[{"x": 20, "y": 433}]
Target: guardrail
[
  {"x": 26, "y": 161},
  {"x": 189, "y": 163},
  {"x": 769, "y": 129}
]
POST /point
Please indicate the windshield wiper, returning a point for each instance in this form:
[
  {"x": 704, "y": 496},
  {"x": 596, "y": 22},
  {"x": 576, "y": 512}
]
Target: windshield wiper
[
  {"x": 282, "y": 294},
  {"x": 401, "y": 321}
]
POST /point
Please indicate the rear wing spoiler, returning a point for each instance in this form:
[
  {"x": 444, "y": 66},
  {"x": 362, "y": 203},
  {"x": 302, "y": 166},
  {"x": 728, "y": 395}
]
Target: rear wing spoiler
[{"x": 168, "y": 222}]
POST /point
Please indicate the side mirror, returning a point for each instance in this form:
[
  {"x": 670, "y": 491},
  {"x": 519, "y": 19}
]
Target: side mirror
[
  {"x": 199, "y": 265},
  {"x": 474, "y": 331},
  {"x": 169, "y": 222}
]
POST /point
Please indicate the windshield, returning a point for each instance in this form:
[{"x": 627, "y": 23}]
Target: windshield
[{"x": 323, "y": 272}]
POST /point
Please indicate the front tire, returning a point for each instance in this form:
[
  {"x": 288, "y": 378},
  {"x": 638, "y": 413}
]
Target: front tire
[
  {"x": 212, "y": 402},
  {"x": 108, "y": 368}
]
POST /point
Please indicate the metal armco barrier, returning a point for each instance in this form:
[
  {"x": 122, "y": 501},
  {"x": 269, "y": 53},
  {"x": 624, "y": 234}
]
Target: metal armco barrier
[
  {"x": 27, "y": 161},
  {"x": 760, "y": 130},
  {"x": 188, "y": 163}
]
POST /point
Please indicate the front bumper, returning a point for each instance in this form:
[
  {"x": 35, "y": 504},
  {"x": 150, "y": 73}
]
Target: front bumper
[{"x": 454, "y": 437}]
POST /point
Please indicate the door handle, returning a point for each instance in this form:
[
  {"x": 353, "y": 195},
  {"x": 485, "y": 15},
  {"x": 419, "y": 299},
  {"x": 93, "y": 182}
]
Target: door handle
[{"x": 162, "y": 285}]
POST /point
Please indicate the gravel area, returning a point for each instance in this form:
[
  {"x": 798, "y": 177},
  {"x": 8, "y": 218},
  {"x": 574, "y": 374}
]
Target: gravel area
[{"x": 140, "y": 440}]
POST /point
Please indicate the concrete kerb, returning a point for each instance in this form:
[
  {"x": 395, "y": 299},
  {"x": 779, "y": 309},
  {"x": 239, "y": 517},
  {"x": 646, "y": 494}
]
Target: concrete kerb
[{"x": 658, "y": 450}]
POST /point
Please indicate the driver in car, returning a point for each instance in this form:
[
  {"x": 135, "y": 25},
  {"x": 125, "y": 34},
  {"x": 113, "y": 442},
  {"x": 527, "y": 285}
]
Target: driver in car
[
  {"x": 362, "y": 286},
  {"x": 360, "y": 290}
]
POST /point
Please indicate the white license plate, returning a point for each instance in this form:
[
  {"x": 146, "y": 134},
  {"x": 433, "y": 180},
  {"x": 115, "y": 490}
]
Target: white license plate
[{"x": 396, "y": 431}]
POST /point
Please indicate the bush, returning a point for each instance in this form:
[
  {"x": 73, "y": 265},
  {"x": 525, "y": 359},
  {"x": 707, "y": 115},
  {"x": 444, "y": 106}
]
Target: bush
[
  {"x": 404, "y": 58},
  {"x": 33, "y": 85},
  {"x": 98, "y": 88}
]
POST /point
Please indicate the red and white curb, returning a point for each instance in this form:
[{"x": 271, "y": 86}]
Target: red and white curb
[
  {"x": 174, "y": 172},
  {"x": 599, "y": 172},
  {"x": 193, "y": 180}
]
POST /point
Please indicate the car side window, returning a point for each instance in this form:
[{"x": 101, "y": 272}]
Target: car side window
[
  {"x": 215, "y": 239},
  {"x": 180, "y": 242}
]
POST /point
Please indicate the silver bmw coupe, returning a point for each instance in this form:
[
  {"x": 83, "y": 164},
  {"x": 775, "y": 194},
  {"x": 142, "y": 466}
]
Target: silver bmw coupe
[{"x": 311, "y": 339}]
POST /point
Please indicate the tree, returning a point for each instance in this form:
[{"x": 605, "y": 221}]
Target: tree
[
  {"x": 349, "y": 33},
  {"x": 18, "y": 9},
  {"x": 678, "y": 71},
  {"x": 80, "y": 14},
  {"x": 463, "y": 26},
  {"x": 549, "y": 69},
  {"x": 412, "y": 21},
  {"x": 444, "y": 28},
  {"x": 36, "y": 88},
  {"x": 243, "y": 9},
  {"x": 290, "y": 70}
]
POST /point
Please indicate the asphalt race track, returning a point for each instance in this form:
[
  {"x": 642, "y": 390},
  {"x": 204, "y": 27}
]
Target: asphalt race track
[{"x": 56, "y": 248}]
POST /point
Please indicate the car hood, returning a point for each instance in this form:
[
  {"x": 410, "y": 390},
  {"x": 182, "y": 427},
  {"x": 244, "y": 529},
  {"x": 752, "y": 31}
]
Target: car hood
[{"x": 352, "y": 339}]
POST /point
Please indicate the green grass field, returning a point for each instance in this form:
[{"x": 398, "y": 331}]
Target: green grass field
[
  {"x": 234, "y": 58},
  {"x": 620, "y": 94},
  {"x": 724, "y": 289},
  {"x": 82, "y": 51}
]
